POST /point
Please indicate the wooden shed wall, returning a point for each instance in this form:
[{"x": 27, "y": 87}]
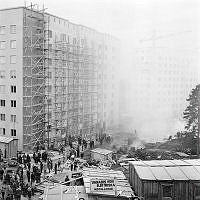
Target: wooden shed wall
[
  {"x": 135, "y": 181},
  {"x": 152, "y": 190},
  {"x": 182, "y": 190}
]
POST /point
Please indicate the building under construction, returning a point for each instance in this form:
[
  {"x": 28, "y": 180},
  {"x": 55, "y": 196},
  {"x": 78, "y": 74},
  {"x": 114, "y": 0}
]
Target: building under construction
[{"x": 56, "y": 78}]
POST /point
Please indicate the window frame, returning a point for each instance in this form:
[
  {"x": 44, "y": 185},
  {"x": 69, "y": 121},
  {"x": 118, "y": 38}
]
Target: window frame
[
  {"x": 3, "y": 42},
  {"x": 13, "y": 118},
  {"x": 11, "y": 61},
  {"x": 11, "y": 29},
  {"x": 2, "y": 74},
  {"x": 13, "y": 132},
  {"x": 4, "y": 28},
  {"x": 2, "y": 117},
  {"x": 2, "y": 102},
  {"x": 4, "y": 60},
  {"x": 13, "y": 88},
  {"x": 15, "y": 42},
  {"x": 13, "y": 103}
]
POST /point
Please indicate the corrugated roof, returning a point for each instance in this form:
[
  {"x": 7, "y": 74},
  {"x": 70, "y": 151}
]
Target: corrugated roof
[
  {"x": 180, "y": 163},
  {"x": 144, "y": 173},
  {"x": 160, "y": 173},
  {"x": 190, "y": 172},
  {"x": 101, "y": 151},
  {"x": 175, "y": 173},
  {"x": 122, "y": 186},
  {"x": 6, "y": 139},
  {"x": 168, "y": 169},
  {"x": 68, "y": 192},
  {"x": 193, "y": 161}
]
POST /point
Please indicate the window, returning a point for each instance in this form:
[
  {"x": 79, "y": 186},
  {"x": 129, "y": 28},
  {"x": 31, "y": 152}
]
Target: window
[
  {"x": 2, "y": 89},
  {"x": 2, "y": 131},
  {"x": 167, "y": 191},
  {"x": 2, "y": 117},
  {"x": 13, "y": 29},
  {"x": 13, "y": 74},
  {"x": 74, "y": 40},
  {"x": 63, "y": 37},
  {"x": 2, "y": 103},
  {"x": 13, "y": 59},
  {"x": 50, "y": 34},
  {"x": 197, "y": 191},
  {"x": 13, "y": 103},
  {"x": 13, "y": 118},
  {"x": 13, "y": 132},
  {"x": 13, "y": 44},
  {"x": 2, "y": 74},
  {"x": 2, "y": 59},
  {"x": 2, "y": 30},
  {"x": 13, "y": 89},
  {"x": 2, "y": 44},
  {"x": 49, "y": 74}
]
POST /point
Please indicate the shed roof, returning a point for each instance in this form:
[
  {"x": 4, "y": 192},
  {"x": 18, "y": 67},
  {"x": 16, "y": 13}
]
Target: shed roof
[
  {"x": 122, "y": 186},
  {"x": 168, "y": 169},
  {"x": 144, "y": 173},
  {"x": 101, "y": 151},
  {"x": 67, "y": 192},
  {"x": 6, "y": 139}
]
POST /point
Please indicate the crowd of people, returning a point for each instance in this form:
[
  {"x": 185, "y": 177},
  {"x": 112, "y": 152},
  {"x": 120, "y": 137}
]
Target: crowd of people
[{"x": 29, "y": 169}]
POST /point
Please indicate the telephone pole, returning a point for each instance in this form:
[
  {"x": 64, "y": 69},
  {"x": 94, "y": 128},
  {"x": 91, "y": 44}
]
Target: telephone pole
[{"x": 198, "y": 96}]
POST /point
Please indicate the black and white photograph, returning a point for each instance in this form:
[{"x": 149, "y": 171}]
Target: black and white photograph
[{"x": 100, "y": 100}]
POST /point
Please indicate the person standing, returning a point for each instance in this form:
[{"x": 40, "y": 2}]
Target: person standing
[
  {"x": 41, "y": 166},
  {"x": 55, "y": 168},
  {"x": 29, "y": 191},
  {"x": 32, "y": 178},
  {"x": 17, "y": 195},
  {"x": 28, "y": 173},
  {"x": 49, "y": 165},
  {"x": 59, "y": 163}
]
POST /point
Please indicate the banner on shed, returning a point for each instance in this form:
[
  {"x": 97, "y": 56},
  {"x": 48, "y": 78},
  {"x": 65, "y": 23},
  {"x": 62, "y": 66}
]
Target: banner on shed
[{"x": 102, "y": 186}]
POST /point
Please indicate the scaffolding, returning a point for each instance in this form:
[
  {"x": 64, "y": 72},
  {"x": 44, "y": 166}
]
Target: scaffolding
[
  {"x": 74, "y": 110},
  {"x": 33, "y": 77},
  {"x": 65, "y": 102}
]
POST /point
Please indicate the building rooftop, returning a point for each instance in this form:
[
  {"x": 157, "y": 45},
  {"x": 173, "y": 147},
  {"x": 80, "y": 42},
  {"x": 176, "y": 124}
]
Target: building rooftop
[
  {"x": 101, "y": 151},
  {"x": 168, "y": 169},
  {"x": 122, "y": 187},
  {"x": 6, "y": 139},
  {"x": 72, "y": 23}
]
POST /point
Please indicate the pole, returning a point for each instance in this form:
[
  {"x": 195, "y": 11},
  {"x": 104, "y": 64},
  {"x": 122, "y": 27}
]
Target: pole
[{"x": 198, "y": 96}]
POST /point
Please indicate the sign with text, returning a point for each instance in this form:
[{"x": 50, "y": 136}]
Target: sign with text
[{"x": 102, "y": 186}]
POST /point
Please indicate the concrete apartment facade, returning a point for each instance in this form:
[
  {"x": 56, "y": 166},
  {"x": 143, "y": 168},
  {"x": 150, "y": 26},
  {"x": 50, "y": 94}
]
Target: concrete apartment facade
[{"x": 61, "y": 78}]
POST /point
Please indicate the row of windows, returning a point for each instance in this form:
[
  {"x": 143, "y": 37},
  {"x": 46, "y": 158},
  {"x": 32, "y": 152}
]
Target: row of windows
[
  {"x": 13, "y": 59},
  {"x": 3, "y": 74},
  {"x": 13, "y": 89},
  {"x": 13, "y": 132},
  {"x": 13, "y": 103},
  {"x": 13, "y": 29},
  {"x": 12, "y": 117},
  {"x": 13, "y": 44}
]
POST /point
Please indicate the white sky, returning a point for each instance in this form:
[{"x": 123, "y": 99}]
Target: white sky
[
  {"x": 128, "y": 20},
  {"x": 121, "y": 17}
]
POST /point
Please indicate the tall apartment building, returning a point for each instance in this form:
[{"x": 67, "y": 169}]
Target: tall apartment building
[
  {"x": 57, "y": 78},
  {"x": 163, "y": 80}
]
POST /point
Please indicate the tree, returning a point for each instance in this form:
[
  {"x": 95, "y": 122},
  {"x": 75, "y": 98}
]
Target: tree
[{"x": 191, "y": 114}]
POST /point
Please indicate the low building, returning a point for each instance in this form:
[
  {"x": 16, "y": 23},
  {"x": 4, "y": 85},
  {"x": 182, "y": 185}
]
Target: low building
[
  {"x": 106, "y": 184},
  {"x": 8, "y": 147},
  {"x": 97, "y": 184},
  {"x": 101, "y": 154},
  {"x": 64, "y": 192},
  {"x": 166, "y": 179}
]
